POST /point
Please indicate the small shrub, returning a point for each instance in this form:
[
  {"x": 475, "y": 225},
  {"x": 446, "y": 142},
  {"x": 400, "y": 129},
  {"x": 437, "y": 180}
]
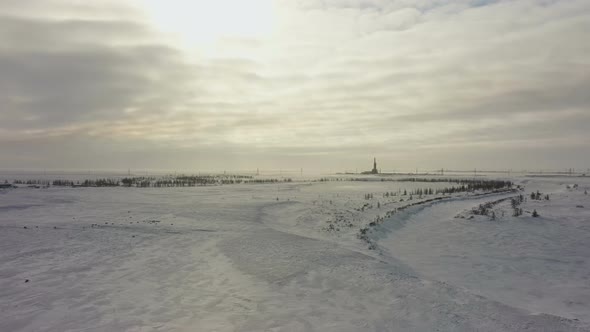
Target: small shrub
[{"x": 535, "y": 213}]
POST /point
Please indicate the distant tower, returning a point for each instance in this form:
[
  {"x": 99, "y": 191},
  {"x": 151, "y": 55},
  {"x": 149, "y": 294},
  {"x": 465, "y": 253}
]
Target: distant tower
[{"x": 374, "y": 170}]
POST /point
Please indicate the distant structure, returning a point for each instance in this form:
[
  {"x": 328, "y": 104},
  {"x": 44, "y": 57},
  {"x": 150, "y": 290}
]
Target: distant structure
[{"x": 374, "y": 170}]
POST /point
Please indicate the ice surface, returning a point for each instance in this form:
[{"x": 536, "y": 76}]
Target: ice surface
[{"x": 262, "y": 258}]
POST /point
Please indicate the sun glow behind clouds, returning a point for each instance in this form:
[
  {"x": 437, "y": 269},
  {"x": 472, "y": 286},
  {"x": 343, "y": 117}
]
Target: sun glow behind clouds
[{"x": 202, "y": 22}]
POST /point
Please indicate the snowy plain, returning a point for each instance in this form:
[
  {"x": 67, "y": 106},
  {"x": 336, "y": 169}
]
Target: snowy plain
[{"x": 263, "y": 257}]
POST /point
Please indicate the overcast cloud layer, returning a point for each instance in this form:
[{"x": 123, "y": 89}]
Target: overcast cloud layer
[{"x": 327, "y": 85}]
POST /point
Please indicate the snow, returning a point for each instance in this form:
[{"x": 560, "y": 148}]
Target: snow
[{"x": 234, "y": 258}]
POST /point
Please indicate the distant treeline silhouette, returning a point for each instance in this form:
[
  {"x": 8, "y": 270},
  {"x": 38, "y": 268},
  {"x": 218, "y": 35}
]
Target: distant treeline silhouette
[
  {"x": 209, "y": 180},
  {"x": 152, "y": 182},
  {"x": 33, "y": 182}
]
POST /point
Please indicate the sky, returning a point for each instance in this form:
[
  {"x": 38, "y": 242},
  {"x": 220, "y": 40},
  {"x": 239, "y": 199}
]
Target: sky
[{"x": 314, "y": 84}]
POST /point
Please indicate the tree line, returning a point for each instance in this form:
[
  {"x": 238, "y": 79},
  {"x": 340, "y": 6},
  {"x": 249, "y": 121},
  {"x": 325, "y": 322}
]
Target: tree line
[{"x": 165, "y": 182}]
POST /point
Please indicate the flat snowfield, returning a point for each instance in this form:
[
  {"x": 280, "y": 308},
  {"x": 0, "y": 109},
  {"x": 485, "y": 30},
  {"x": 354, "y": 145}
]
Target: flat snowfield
[{"x": 320, "y": 256}]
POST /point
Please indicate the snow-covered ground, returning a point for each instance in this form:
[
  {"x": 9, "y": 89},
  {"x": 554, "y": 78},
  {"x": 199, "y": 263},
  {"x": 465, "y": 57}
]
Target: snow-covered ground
[{"x": 288, "y": 257}]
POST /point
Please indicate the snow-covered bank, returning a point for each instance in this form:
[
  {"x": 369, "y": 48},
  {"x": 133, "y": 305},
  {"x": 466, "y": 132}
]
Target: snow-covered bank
[
  {"x": 539, "y": 264},
  {"x": 237, "y": 258}
]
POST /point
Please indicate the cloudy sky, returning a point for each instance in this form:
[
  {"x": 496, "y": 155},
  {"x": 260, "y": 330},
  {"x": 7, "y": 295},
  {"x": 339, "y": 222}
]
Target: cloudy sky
[{"x": 319, "y": 84}]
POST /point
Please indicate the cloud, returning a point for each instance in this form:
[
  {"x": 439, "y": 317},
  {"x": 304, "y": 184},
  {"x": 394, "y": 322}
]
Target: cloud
[{"x": 334, "y": 79}]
